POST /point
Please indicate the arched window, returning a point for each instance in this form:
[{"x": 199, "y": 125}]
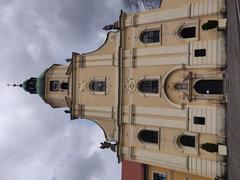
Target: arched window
[
  {"x": 150, "y": 36},
  {"x": 98, "y": 86},
  {"x": 148, "y": 136},
  {"x": 64, "y": 85},
  {"x": 188, "y": 32},
  {"x": 209, "y": 87},
  {"x": 187, "y": 140},
  {"x": 148, "y": 86}
]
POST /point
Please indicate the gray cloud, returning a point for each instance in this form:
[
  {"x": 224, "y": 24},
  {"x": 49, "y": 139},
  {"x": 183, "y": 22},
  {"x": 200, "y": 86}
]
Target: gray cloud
[{"x": 37, "y": 142}]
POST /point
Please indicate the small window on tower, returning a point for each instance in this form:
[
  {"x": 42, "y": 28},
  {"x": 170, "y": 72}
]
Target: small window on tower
[
  {"x": 64, "y": 86},
  {"x": 54, "y": 85},
  {"x": 150, "y": 36}
]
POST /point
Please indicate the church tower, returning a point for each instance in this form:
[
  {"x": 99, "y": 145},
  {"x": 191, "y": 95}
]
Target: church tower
[{"x": 156, "y": 87}]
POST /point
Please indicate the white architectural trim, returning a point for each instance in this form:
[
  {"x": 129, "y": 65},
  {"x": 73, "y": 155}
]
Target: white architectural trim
[
  {"x": 205, "y": 167},
  {"x": 215, "y": 53},
  {"x": 166, "y": 160},
  {"x": 98, "y": 108},
  {"x": 161, "y": 122},
  {"x": 165, "y": 50},
  {"x": 157, "y": 61},
  {"x": 99, "y": 57},
  {"x": 161, "y": 111},
  {"x": 206, "y": 7},
  {"x": 214, "y": 119}
]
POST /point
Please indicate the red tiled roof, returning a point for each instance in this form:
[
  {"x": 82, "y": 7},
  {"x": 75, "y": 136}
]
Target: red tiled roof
[{"x": 132, "y": 171}]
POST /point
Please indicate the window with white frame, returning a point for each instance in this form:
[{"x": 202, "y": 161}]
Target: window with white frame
[{"x": 159, "y": 176}]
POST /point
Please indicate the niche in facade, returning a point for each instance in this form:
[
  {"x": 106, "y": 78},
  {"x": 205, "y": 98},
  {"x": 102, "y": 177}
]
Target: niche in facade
[{"x": 181, "y": 86}]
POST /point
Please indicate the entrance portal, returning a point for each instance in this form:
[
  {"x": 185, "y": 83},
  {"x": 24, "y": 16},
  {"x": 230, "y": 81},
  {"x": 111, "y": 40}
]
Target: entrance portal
[{"x": 209, "y": 87}]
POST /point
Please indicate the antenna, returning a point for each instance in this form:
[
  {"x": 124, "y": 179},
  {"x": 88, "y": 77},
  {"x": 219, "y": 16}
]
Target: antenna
[{"x": 14, "y": 85}]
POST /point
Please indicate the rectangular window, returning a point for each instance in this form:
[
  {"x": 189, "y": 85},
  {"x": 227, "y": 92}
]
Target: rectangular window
[
  {"x": 199, "y": 120},
  {"x": 148, "y": 86},
  {"x": 150, "y": 36},
  {"x": 54, "y": 85},
  {"x": 159, "y": 176},
  {"x": 200, "y": 52}
]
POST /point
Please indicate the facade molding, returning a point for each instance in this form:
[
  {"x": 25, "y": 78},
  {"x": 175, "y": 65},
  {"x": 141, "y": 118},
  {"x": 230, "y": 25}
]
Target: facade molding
[{"x": 165, "y": 76}]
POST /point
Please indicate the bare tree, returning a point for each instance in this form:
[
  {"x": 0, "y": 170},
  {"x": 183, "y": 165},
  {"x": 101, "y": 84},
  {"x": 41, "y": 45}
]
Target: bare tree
[{"x": 140, "y": 4}]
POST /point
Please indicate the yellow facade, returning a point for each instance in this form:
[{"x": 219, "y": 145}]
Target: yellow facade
[{"x": 156, "y": 88}]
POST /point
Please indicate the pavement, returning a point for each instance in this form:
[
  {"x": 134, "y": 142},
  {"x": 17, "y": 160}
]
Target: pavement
[{"x": 233, "y": 77}]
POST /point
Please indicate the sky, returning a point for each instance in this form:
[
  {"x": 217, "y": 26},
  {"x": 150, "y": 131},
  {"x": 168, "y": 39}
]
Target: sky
[{"x": 36, "y": 141}]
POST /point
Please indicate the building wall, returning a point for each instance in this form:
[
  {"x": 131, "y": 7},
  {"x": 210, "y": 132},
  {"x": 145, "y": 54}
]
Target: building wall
[
  {"x": 99, "y": 65},
  {"x": 57, "y": 98},
  {"x": 169, "y": 112},
  {"x": 123, "y": 111}
]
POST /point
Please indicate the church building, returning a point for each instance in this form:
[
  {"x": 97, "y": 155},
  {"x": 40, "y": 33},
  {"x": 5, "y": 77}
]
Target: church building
[{"x": 156, "y": 87}]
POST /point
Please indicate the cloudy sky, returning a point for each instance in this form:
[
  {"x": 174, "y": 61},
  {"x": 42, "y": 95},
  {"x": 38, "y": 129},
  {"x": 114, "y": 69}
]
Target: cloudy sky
[{"x": 36, "y": 141}]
